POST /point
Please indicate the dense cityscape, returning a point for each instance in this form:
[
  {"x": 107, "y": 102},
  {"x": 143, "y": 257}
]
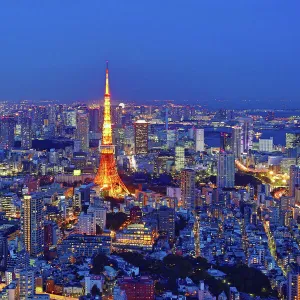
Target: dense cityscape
[{"x": 160, "y": 201}]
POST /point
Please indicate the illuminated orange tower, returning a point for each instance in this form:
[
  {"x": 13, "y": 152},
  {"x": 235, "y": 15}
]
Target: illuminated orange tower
[{"x": 107, "y": 177}]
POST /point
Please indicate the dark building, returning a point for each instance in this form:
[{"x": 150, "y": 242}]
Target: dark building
[
  {"x": 7, "y": 132},
  {"x": 26, "y": 133},
  {"x": 135, "y": 213},
  {"x": 226, "y": 142},
  {"x": 3, "y": 252},
  {"x": 166, "y": 221},
  {"x": 94, "y": 118}
]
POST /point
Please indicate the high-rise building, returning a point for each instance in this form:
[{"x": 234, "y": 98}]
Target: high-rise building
[
  {"x": 7, "y": 130},
  {"x": 166, "y": 221},
  {"x": 199, "y": 136},
  {"x": 226, "y": 141},
  {"x": 179, "y": 158},
  {"x": 171, "y": 138},
  {"x": 236, "y": 141},
  {"x": 26, "y": 283},
  {"x": 3, "y": 252},
  {"x": 294, "y": 179},
  {"x": 246, "y": 125},
  {"x": 33, "y": 223},
  {"x": 82, "y": 132},
  {"x": 86, "y": 224},
  {"x": 292, "y": 140},
  {"x": 226, "y": 170},
  {"x": 94, "y": 119},
  {"x": 26, "y": 133},
  {"x": 293, "y": 282},
  {"x": 99, "y": 214},
  {"x": 141, "y": 137},
  {"x": 187, "y": 184},
  {"x": 107, "y": 177},
  {"x": 71, "y": 118},
  {"x": 266, "y": 145}
]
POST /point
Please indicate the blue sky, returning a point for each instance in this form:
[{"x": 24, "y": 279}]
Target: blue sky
[{"x": 193, "y": 50}]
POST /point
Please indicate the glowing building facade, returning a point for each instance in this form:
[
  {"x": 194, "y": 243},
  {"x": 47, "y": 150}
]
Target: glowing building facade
[
  {"x": 33, "y": 224},
  {"x": 141, "y": 137}
]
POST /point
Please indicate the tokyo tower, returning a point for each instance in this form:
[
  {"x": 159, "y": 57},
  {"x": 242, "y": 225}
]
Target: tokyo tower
[{"x": 107, "y": 177}]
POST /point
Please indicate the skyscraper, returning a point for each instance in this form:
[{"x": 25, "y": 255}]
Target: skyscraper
[
  {"x": 7, "y": 131},
  {"x": 141, "y": 137},
  {"x": 82, "y": 132},
  {"x": 166, "y": 221},
  {"x": 26, "y": 133},
  {"x": 226, "y": 170},
  {"x": 179, "y": 158},
  {"x": 226, "y": 141},
  {"x": 70, "y": 118},
  {"x": 199, "y": 136},
  {"x": 187, "y": 184},
  {"x": 33, "y": 223},
  {"x": 236, "y": 141},
  {"x": 294, "y": 179},
  {"x": 246, "y": 125},
  {"x": 94, "y": 119},
  {"x": 107, "y": 177}
]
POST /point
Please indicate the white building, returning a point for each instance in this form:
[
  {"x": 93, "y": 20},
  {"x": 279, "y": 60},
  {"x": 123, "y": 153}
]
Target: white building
[
  {"x": 266, "y": 145},
  {"x": 179, "y": 158},
  {"x": 99, "y": 214},
  {"x": 86, "y": 224},
  {"x": 199, "y": 136}
]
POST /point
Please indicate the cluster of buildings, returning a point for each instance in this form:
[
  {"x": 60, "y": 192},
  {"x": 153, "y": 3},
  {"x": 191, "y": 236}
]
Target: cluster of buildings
[{"x": 67, "y": 171}]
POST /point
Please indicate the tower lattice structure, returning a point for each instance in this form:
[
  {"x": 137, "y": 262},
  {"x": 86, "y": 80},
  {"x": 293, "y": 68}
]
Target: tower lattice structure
[{"x": 107, "y": 177}]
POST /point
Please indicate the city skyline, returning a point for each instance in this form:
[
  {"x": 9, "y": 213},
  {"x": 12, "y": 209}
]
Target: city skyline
[{"x": 152, "y": 54}]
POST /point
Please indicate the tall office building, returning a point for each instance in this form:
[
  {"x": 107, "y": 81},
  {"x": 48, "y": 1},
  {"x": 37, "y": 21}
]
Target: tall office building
[
  {"x": 246, "y": 125},
  {"x": 187, "y": 185},
  {"x": 33, "y": 223},
  {"x": 141, "y": 137},
  {"x": 171, "y": 138},
  {"x": 26, "y": 133},
  {"x": 94, "y": 119},
  {"x": 293, "y": 282},
  {"x": 166, "y": 221},
  {"x": 71, "y": 118},
  {"x": 294, "y": 179},
  {"x": 226, "y": 141},
  {"x": 199, "y": 136},
  {"x": 236, "y": 141},
  {"x": 7, "y": 130},
  {"x": 226, "y": 170},
  {"x": 82, "y": 132},
  {"x": 179, "y": 158}
]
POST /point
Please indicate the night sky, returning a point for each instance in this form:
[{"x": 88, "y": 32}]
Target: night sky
[{"x": 187, "y": 50}]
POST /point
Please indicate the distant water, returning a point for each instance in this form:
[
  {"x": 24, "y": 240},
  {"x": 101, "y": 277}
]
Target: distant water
[{"x": 212, "y": 136}]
